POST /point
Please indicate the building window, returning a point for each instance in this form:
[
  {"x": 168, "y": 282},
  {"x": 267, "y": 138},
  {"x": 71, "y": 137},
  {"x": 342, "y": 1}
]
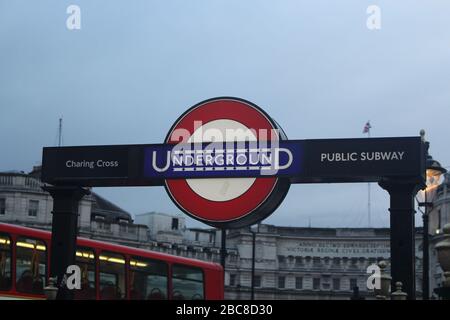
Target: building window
[
  {"x": 344, "y": 262},
  {"x": 211, "y": 237},
  {"x": 336, "y": 262},
  {"x": 316, "y": 262},
  {"x": 353, "y": 283},
  {"x": 281, "y": 259},
  {"x": 174, "y": 223},
  {"x": 197, "y": 236},
  {"x": 2, "y": 206},
  {"x": 232, "y": 280},
  {"x": 123, "y": 228},
  {"x": 316, "y": 283},
  {"x": 281, "y": 282},
  {"x": 336, "y": 284},
  {"x": 257, "y": 281},
  {"x": 33, "y": 207},
  {"x": 298, "y": 282},
  {"x": 104, "y": 226},
  {"x": 363, "y": 262}
]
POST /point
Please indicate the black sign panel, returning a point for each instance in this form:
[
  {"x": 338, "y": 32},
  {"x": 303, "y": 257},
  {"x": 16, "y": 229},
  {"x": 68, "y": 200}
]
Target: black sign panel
[
  {"x": 95, "y": 166},
  {"x": 362, "y": 160},
  {"x": 302, "y": 161}
]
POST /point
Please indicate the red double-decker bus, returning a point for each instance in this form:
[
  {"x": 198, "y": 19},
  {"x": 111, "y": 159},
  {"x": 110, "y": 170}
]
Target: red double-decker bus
[{"x": 108, "y": 271}]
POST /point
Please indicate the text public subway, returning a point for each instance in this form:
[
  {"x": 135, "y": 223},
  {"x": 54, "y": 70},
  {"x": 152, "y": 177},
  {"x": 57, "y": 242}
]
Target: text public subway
[
  {"x": 91, "y": 164},
  {"x": 362, "y": 156}
]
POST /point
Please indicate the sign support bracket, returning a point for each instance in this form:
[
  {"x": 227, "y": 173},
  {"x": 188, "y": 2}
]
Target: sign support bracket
[
  {"x": 402, "y": 231},
  {"x": 64, "y": 233}
]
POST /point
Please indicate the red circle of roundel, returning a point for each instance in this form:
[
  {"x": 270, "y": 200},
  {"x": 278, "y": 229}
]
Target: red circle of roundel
[{"x": 221, "y": 212}]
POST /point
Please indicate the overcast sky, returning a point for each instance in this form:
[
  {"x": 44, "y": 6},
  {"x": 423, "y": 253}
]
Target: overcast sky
[{"x": 314, "y": 66}]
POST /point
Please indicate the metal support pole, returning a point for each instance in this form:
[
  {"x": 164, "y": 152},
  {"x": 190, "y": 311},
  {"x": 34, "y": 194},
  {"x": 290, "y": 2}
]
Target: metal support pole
[
  {"x": 223, "y": 249},
  {"x": 64, "y": 233},
  {"x": 425, "y": 258},
  {"x": 402, "y": 232},
  {"x": 253, "y": 265}
]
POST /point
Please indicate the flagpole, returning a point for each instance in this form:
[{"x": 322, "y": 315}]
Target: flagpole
[
  {"x": 368, "y": 192},
  {"x": 368, "y": 204}
]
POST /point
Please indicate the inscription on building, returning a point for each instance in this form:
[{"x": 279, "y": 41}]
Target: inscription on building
[{"x": 332, "y": 248}]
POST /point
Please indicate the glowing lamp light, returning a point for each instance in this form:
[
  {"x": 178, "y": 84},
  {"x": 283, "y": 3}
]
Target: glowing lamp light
[{"x": 434, "y": 177}]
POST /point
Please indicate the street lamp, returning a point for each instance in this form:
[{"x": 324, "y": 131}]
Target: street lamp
[{"x": 434, "y": 172}]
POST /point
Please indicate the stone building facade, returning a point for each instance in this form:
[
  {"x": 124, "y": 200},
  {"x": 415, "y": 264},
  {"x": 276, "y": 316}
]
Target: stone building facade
[
  {"x": 439, "y": 216},
  {"x": 308, "y": 263}
]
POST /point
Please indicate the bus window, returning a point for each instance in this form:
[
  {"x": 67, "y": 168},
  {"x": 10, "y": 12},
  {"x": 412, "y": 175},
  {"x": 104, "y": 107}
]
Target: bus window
[
  {"x": 187, "y": 283},
  {"x": 148, "y": 279},
  {"x": 85, "y": 259},
  {"x": 112, "y": 276},
  {"x": 30, "y": 265},
  {"x": 5, "y": 262}
]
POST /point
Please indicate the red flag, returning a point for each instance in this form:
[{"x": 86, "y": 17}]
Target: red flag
[{"x": 367, "y": 127}]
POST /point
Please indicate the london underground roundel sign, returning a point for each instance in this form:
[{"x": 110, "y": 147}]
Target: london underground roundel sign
[{"x": 221, "y": 201}]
